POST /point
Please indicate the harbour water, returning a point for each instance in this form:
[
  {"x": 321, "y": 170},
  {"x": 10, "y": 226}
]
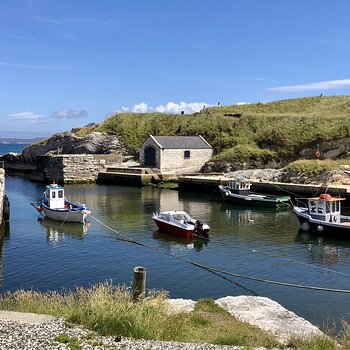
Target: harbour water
[{"x": 262, "y": 243}]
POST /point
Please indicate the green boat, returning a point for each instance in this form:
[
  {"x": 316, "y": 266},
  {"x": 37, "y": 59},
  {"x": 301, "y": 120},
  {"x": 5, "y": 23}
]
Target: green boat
[{"x": 238, "y": 192}]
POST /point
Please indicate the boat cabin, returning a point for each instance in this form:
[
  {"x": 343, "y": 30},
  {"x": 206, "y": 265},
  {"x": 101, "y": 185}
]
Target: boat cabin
[
  {"x": 239, "y": 186},
  {"x": 325, "y": 208},
  {"x": 55, "y": 196}
]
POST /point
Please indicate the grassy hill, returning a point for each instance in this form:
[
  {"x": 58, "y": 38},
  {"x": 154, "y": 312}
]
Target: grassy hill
[{"x": 252, "y": 132}]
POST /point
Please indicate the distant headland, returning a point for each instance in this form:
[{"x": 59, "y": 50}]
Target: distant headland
[{"x": 19, "y": 141}]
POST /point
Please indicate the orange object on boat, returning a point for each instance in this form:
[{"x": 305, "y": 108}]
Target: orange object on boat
[{"x": 325, "y": 196}]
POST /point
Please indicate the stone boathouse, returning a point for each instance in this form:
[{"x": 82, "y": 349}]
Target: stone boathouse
[{"x": 175, "y": 153}]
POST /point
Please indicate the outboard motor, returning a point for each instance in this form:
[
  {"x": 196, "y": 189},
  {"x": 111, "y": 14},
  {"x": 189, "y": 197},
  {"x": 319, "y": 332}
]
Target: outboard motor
[{"x": 198, "y": 228}]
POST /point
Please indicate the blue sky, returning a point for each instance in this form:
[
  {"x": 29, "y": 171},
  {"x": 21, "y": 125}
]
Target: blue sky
[{"x": 67, "y": 63}]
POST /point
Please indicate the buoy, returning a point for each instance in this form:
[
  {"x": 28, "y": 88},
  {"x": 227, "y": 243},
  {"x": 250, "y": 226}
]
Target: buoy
[
  {"x": 319, "y": 228},
  {"x": 227, "y": 194},
  {"x": 325, "y": 196},
  {"x": 40, "y": 208},
  {"x": 305, "y": 226}
]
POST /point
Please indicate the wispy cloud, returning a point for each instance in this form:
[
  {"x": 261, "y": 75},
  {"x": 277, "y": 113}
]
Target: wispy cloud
[
  {"x": 41, "y": 67},
  {"x": 170, "y": 107},
  {"x": 19, "y": 37},
  {"x": 321, "y": 85},
  {"x": 30, "y": 116},
  {"x": 63, "y": 114},
  {"x": 70, "y": 114}
]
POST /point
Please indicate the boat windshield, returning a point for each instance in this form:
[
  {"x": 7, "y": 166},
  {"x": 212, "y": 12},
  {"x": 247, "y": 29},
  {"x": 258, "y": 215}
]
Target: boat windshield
[{"x": 180, "y": 217}]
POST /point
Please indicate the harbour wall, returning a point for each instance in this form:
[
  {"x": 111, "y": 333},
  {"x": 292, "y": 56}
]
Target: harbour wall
[
  {"x": 2, "y": 194},
  {"x": 4, "y": 203},
  {"x": 70, "y": 168}
]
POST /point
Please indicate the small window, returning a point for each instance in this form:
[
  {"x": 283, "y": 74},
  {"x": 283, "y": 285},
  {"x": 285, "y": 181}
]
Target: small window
[
  {"x": 320, "y": 207},
  {"x": 187, "y": 154},
  {"x": 60, "y": 194},
  {"x": 53, "y": 195}
]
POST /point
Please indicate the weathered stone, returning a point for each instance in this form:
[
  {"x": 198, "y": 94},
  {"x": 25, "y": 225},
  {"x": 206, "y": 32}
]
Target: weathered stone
[
  {"x": 269, "y": 316},
  {"x": 69, "y": 143}
]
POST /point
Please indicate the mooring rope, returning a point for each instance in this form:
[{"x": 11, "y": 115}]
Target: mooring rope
[{"x": 219, "y": 271}]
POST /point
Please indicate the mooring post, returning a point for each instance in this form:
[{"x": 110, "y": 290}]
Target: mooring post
[{"x": 139, "y": 286}]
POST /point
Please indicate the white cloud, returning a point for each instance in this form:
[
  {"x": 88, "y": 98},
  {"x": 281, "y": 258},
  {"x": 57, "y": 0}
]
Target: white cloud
[
  {"x": 70, "y": 114},
  {"x": 140, "y": 108},
  {"x": 242, "y": 103},
  {"x": 321, "y": 85},
  {"x": 27, "y": 116},
  {"x": 170, "y": 107}
]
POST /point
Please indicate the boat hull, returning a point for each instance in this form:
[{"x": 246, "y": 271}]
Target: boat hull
[
  {"x": 320, "y": 227},
  {"x": 65, "y": 215},
  {"x": 255, "y": 200}
]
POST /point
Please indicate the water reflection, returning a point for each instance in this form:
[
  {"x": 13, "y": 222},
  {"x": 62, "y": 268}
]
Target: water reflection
[
  {"x": 175, "y": 244},
  {"x": 57, "y": 232},
  {"x": 321, "y": 249},
  {"x": 243, "y": 217}
]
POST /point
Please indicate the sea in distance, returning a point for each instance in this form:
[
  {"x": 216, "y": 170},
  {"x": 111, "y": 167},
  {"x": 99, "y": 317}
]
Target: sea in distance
[
  {"x": 11, "y": 147},
  {"x": 40, "y": 254}
]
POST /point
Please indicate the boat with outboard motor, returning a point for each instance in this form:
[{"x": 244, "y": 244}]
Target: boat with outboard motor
[
  {"x": 56, "y": 207},
  {"x": 180, "y": 223},
  {"x": 238, "y": 192},
  {"x": 322, "y": 214}
]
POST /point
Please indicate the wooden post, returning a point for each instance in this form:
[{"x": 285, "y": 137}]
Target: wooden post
[{"x": 139, "y": 286}]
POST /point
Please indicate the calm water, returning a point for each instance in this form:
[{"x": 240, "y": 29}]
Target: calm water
[
  {"x": 260, "y": 243},
  {"x": 7, "y": 148}
]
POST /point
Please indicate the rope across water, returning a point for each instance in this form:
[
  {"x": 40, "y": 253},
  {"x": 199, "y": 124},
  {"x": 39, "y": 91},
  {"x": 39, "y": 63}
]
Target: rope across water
[{"x": 219, "y": 271}]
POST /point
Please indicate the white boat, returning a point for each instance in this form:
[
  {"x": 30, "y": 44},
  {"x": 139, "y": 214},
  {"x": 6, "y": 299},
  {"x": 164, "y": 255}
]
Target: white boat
[
  {"x": 56, "y": 207},
  {"x": 180, "y": 223},
  {"x": 323, "y": 215}
]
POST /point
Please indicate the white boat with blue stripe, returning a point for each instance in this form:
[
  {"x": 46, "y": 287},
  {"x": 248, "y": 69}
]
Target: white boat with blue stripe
[{"x": 56, "y": 207}]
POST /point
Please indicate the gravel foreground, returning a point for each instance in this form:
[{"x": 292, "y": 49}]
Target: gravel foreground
[{"x": 24, "y": 336}]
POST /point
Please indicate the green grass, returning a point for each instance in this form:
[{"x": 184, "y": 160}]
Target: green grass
[
  {"x": 314, "y": 167},
  {"x": 263, "y": 131},
  {"x": 110, "y": 310},
  {"x": 72, "y": 342}
]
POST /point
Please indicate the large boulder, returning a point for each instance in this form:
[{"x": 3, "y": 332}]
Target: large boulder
[{"x": 69, "y": 143}]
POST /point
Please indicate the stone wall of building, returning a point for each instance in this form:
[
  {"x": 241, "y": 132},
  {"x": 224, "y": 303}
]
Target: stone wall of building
[
  {"x": 150, "y": 143},
  {"x": 173, "y": 160},
  {"x": 70, "y": 168}
]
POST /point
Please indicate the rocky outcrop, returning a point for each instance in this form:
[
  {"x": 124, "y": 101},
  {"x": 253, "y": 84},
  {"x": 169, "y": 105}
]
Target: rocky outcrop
[
  {"x": 339, "y": 176},
  {"x": 227, "y": 167},
  {"x": 333, "y": 149},
  {"x": 69, "y": 143},
  {"x": 103, "y": 145},
  {"x": 261, "y": 312}
]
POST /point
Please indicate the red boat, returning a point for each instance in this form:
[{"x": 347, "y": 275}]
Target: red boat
[{"x": 179, "y": 223}]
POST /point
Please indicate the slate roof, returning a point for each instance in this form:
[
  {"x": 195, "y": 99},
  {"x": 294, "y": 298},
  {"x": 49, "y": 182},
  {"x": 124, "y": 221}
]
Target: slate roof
[{"x": 182, "y": 142}]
